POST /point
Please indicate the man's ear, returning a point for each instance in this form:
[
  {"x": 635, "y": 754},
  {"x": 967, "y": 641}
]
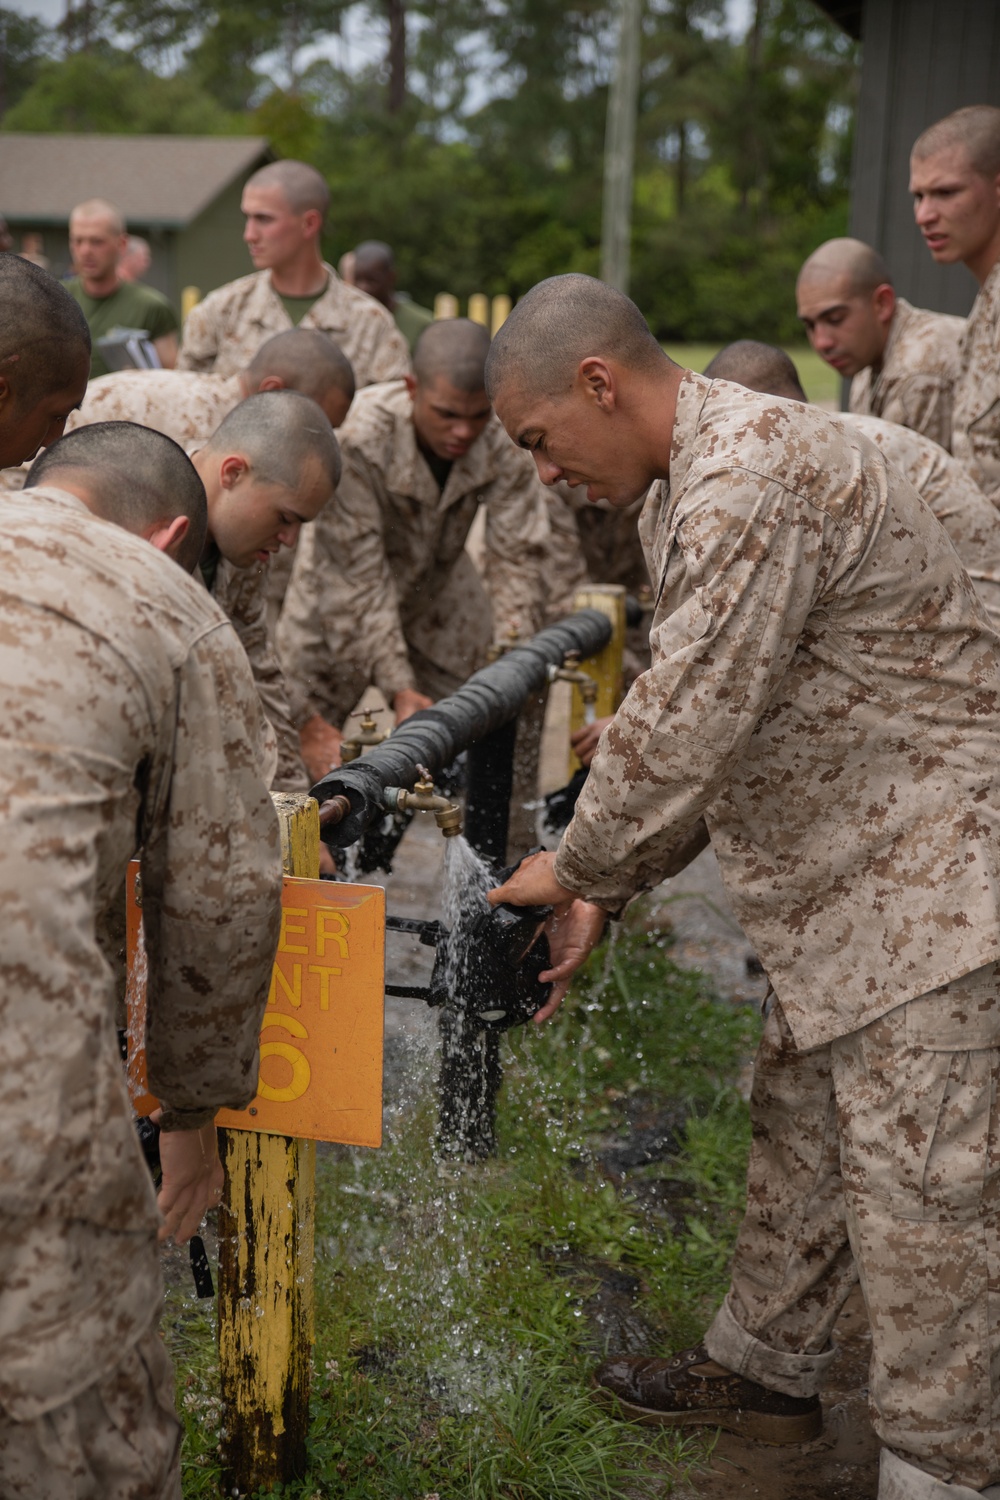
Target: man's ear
[
  {"x": 168, "y": 536},
  {"x": 597, "y": 380},
  {"x": 883, "y": 303},
  {"x": 411, "y": 385},
  {"x": 232, "y": 469},
  {"x": 312, "y": 223},
  {"x": 272, "y": 383},
  {"x": 7, "y": 399}
]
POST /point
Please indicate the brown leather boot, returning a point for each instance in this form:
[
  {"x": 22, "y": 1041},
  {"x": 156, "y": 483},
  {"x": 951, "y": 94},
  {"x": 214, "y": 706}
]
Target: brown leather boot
[{"x": 675, "y": 1392}]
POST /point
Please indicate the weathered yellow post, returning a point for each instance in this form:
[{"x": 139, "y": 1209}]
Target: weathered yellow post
[
  {"x": 190, "y": 297},
  {"x": 479, "y": 308},
  {"x": 500, "y": 312},
  {"x": 266, "y": 1223},
  {"x": 445, "y": 305},
  {"x": 606, "y": 667}
]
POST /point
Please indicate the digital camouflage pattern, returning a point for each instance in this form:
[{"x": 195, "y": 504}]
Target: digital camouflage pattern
[
  {"x": 242, "y": 595},
  {"x": 971, "y": 521},
  {"x": 825, "y": 690},
  {"x": 185, "y": 406},
  {"x": 129, "y": 719},
  {"x": 224, "y": 332},
  {"x": 914, "y": 385},
  {"x": 876, "y": 1155},
  {"x": 383, "y": 590},
  {"x": 976, "y": 404}
]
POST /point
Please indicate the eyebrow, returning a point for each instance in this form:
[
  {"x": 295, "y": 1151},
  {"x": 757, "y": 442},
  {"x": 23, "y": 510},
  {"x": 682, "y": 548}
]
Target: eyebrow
[{"x": 824, "y": 312}]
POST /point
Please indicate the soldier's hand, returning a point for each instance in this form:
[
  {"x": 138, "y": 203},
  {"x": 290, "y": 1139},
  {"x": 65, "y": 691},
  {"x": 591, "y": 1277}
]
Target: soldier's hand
[
  {"x": 192, "y": 1179},
  {"x": 584, "y": 741},
  {"x": 320, "y": 746},
  {"x": 532, "y": 884},
  {"x": 573, "y": 930},
  {"x": 408, "y": 701}
]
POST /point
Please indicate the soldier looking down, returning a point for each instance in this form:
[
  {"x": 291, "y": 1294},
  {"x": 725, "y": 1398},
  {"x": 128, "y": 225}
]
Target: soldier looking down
[
  {"x": 955, "y": 182},
  {"x": 902, "y": 358},
  {"x": 285, "y": 205},
  {"x": 383, "y": 590},
  {"x": 44, "y": 359},
  {"x": 128, "y": 718},
  {"x": 825, "y": 692}
]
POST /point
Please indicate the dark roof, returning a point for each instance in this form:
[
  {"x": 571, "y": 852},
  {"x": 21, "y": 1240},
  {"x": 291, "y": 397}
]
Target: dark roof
[
  {"x": 846, "y": 13},
  {"x": 161, "y": 181}
]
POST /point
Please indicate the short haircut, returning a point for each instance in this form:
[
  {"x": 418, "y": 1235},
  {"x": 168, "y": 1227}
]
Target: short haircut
[
  {"x": 760, "y": 367},
  {"x": 560, "y": 322},
  {"x": 455, "y": 348},
  {"x": 278, "y": 432},
  {"x": 306, "y": 360},
  {"x": 137, "y": 478},
  {"x": 374, "y": 253},
  {"x": 864, "y": 267},
  {"x": 976, "y": 128},
  {"x": 44, "y": 335},
  {"x": 302, "y": 185},
  {"x": 100, "y": 208}
]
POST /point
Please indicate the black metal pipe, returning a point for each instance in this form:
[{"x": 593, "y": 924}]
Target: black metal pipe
[{"x": 433, "y": 737}]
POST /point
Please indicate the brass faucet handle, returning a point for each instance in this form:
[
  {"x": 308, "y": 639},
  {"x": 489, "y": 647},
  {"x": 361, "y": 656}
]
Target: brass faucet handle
[
  {"x": 425, "y": 781},
  {"x": 571, "y": 661}
]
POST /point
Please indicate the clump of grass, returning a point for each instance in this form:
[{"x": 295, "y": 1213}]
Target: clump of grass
[{"x": 452, "y": 1357}]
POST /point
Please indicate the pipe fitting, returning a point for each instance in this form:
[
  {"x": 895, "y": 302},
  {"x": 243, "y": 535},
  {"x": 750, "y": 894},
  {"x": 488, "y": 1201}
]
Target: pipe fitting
[
  {"x": 571, "y": 671},
  {"x": 423, "y": 798},
  {"x": 367, "y": 733}
]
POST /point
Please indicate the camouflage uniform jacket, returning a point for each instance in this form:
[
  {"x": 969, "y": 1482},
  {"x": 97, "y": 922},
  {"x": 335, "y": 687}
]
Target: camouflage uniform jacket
[
  {"x": 825, "y": 689},
  {"x": 976, "y": 401},
  {"x": 242, "y": 595},
  {"x": 185, "y": 406},
  {"x": 224, "y": 332},
  {"x": 914, "y": 385},
  {"x": 378, "y": 554},
  {"x": 971, "y": 521},
  {"x": 129, "y": 718}
]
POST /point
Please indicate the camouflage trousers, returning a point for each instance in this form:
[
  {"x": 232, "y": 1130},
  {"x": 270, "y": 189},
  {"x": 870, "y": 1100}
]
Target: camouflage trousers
[
  {"x": 877, "y": 1158},
  {"x": 118, "y": 1440}
]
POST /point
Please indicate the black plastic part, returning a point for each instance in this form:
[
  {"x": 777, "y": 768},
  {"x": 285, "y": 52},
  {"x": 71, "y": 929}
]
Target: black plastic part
[
  {"x": 435, "y": 736},
  {"x": 561, "y": 804},
  {"x": 200, "y": 1268},
  {"x": 490, "y": 763}
]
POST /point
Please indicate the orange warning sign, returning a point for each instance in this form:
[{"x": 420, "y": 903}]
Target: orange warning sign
[{"x": 321, "y": 1038}]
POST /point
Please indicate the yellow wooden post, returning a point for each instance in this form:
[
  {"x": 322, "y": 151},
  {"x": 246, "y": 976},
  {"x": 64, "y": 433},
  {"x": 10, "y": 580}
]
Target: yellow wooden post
[
  {"x": 479, "y": 308},
  {"x": 445, "y": 305},
  {"x": 500, "y": 313},
  {"x": 190, "y": 297},
  {"x": 606, "y": 667},
  {"x": 266, "y": 1227}
]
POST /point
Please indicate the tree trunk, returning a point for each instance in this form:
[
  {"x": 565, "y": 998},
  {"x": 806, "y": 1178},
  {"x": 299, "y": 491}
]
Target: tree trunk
[{"x": 397, "y": 54}]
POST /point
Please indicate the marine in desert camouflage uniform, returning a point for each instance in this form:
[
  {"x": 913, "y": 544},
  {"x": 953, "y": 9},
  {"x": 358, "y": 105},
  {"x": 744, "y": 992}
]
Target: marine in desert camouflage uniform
[
  {"x": 955, "y": 182},
  {"x": 268, "y": 471},
  {"x": 383, "y": 590},
  {"x": 902, "y": 358},
  {"x": 37, "y": 394},
  {"x": 825, "y": 692},
  {"x": 285, "y": 204},
  {"x": 129, "y": 717}
]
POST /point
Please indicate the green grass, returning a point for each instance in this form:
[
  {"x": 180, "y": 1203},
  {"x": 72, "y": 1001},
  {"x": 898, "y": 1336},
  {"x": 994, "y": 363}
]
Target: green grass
[
  {"x": 454, "y": 1349},
  {"x": 819, "y": 381}
]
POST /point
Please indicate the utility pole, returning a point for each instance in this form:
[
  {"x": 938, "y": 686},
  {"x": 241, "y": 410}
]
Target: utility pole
[{"x": 619, "y": 150}]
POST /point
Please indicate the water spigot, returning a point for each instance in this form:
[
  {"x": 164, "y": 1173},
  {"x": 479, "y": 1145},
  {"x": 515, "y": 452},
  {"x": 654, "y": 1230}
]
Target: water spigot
[
  {"x": 571, "y": 671},
  {"x": 501, "y": 647},
  {"x": 368, "y": 733},
  {"x": 423, "y": 798}
]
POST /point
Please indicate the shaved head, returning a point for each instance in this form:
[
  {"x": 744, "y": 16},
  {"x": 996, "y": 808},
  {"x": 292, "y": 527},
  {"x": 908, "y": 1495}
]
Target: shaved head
[
  {"x": 304, "y": 360},
  {"x": 863, "y": 267},
  {"x": 278, "y": 432},
  {"x": 133, "y": 476},
  {"x": 455, "y": 348},
  {"x": 43, "y": 332},
  {"x": 760, "y": 367},
  {"x": 303, "y": 187},
  {"x": 100, "y": 208},
  {"x": 560, "y": 322},
  {"x": 976, "y": 129},
  {"x": 373, "y": 253}
]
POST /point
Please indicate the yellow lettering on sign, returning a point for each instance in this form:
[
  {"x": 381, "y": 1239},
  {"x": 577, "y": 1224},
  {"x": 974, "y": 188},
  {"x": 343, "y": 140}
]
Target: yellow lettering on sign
[
  {"x": 301, "y": 1073},
  {"x": 284, "y": 946},
  {"x": 293, "y": 991},
  {"x": 331, "y": 927},
  {"x": 324, "y": 982}
]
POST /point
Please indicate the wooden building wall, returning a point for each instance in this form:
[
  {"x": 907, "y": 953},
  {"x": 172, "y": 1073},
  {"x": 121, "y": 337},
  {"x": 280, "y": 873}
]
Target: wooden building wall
[{"x": 920, "y": 60}]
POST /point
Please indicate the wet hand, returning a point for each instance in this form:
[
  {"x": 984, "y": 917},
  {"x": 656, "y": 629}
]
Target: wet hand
[
  {"x": 408, "y": 701},
  {"x": 584, "y": 741},
  {"x": 532, "y": 884},
  {"x": 573, "y": 930},
  {"x": 192, "y": 1179},
  {"x": 320, "y": 746}
]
